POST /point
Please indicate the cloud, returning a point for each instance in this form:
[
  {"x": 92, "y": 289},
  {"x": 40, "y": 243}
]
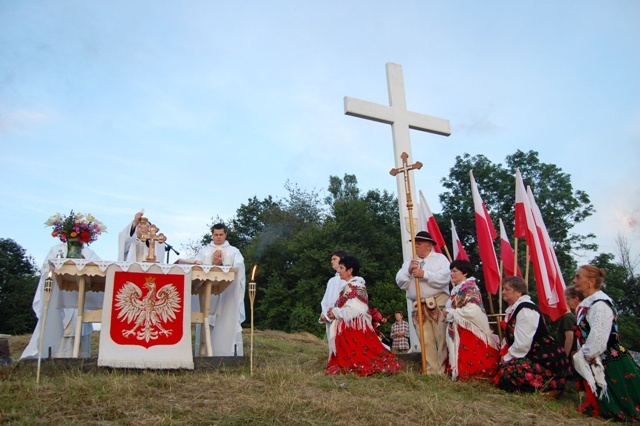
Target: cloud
[
  {"x": 20, "y": 119},
  {"x": 479, "y": 123}
]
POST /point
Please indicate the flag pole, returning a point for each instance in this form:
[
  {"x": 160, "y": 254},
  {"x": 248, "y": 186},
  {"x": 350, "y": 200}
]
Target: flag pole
[
  {"x": 405, "y": 170},
  {"x": 499, "y": 316},
  {"x": 526, "y": 273},
  {"x": 515, "y": 256},
  {"x": 448, "y": 255},
  {"x": 48, "y": 285}
]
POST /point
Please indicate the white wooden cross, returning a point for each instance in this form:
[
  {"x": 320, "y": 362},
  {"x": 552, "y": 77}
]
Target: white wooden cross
[{"x": 401, "y": 121}]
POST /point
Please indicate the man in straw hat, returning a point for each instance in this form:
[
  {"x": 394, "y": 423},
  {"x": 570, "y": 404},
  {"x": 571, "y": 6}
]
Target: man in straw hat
[{"x": 432, "y": 270}]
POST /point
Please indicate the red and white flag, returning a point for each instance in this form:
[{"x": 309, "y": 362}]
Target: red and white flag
[
  {"x": 521, "y": 217},
  {"x": 550, "y": 301},
  {"x": 507, "y": 255},
  {"x": 426, "y": 222},
  {"x": 553, "y": 267},
  {"x": 146, "y": 321},
  {"x": 486, "y": 233},
  {"x": 459, "y": 253}
]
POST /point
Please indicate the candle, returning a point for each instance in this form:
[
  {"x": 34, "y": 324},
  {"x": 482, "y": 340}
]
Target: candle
[
  {"x": 207, "y": 258},
  {"x": 253, "y": 272}
]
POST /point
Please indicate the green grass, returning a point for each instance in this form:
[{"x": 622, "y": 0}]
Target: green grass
[{"x": 288, "y": 387}]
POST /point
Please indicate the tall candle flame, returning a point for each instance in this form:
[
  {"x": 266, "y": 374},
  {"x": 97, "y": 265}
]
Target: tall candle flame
[{"x": 253, "y": 272}]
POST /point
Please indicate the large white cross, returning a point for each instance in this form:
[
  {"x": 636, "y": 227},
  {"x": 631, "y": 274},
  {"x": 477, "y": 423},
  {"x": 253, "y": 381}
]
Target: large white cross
[{"x": 401, "y": 121}]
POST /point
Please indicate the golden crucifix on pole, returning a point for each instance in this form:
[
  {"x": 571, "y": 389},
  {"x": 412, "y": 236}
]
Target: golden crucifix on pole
[
  {"x": 151, "y": 236},
  {"x": 407, "y": 186}
]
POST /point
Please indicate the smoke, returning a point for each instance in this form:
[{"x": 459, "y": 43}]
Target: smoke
[
  {"x": 633, "y": 221},
  {"x": 267, "y": 237}
]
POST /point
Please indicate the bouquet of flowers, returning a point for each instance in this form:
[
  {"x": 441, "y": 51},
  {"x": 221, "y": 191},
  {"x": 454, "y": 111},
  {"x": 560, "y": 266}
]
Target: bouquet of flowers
[{"x": 76, "y": 225}]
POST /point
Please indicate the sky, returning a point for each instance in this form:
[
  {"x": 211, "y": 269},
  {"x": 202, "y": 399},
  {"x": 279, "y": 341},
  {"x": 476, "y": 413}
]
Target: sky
[{"x": 190, "y": 108}]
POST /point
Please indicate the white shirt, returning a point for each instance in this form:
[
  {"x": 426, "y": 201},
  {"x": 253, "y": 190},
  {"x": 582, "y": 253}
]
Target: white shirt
[
  {"x": 526, "y": 327},
  {"x": 436, "y": 276},
  {"x": 331, "y": 294},
  {"x": 600, "y": 318}
]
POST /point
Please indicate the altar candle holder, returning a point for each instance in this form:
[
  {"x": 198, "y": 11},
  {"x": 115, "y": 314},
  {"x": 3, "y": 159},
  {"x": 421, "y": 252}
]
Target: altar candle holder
[
  {"x": 48, "y": 287},
  {"x": 252, "y": 298}
]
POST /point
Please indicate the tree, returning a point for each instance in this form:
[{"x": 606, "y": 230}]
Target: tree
[
  {"x": 562, "y": 207},
  {"x": 292, "y": 240},
  {"x": 18, "y": 282}
]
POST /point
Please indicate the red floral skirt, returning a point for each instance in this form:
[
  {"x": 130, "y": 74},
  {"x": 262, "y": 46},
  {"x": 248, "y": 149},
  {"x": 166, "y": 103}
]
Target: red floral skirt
[
  {"x": 359, "y": 351},
  {"x": 475, "y": 358}
]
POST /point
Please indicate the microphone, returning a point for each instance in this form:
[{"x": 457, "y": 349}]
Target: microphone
[{"x": 168, "y": 247}]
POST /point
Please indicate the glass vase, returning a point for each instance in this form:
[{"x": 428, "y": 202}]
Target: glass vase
[{"x": 74, "y": 249}]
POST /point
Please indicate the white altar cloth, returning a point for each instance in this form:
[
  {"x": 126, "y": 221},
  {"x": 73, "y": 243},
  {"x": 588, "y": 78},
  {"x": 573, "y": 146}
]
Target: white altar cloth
[{"x": 81, "y": 278}]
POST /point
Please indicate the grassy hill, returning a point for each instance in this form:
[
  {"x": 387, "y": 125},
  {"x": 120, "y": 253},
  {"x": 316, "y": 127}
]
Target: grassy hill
[{"x": 288, "y": 387}]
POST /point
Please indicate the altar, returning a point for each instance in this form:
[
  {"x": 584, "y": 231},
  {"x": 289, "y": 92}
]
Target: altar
[{"x": 76, "y": 277}]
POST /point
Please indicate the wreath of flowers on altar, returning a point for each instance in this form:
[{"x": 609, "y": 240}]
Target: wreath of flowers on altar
[{"x": 76, "y": 225}]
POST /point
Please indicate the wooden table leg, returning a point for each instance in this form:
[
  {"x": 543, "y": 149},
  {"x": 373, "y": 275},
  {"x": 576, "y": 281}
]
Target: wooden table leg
[
  {"x": 204, "y": 323},
  {"x": 204, "y": 307},
  {"x": 78, "y": 336}
]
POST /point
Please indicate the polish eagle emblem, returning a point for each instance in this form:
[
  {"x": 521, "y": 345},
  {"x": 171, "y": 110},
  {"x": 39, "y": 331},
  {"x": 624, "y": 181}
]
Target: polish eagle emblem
[{"x": 148, "y": 312}]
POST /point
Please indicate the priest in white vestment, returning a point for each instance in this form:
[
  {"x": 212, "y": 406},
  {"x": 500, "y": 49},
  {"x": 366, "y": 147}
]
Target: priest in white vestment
[
  {"x": 226, "y": 310},
  {"x": 131, "y": 249},
  {"x": 60, "y": 326}
]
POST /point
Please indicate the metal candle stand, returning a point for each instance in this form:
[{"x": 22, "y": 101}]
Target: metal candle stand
[{"x": 252, "y": 298}]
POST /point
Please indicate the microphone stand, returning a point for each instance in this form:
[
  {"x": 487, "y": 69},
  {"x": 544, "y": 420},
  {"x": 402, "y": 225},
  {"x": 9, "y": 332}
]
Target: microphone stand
[{"x": 168, "y": 248}]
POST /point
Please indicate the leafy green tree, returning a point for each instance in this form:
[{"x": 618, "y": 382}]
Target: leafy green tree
[
  {"x": 629, "y": 298},
  {"x": 623, "y": 287},
  {"x": 561, "y": 206},
  {"x": 292, "y": 240},
  {"x": 18, "y": 282},
  {"x": 368, "y": 227}
]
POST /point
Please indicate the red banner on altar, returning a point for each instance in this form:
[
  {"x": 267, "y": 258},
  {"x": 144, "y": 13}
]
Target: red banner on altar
[{"x": 147, "y": 309}]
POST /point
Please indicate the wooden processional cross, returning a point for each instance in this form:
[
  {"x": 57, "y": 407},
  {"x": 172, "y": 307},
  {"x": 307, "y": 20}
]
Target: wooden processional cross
[{"x": 401, "y": 120}]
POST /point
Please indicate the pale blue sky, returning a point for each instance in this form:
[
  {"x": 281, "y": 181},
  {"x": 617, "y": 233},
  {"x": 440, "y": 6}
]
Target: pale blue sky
[{"x": 189, "y": 108}]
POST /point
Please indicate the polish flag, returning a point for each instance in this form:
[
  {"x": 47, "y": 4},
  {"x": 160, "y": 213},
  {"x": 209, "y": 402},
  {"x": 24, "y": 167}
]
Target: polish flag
[
  {"x": 521, "y": 219},
  {"x": 426, "y": 222},
  {"x": 553, "y": 267},
  {"x": 506, "y": 254},
  {"x": 459, "y": 252},
  {"x": 549, "y": 301},
  {"x": 486, "y": 233}
]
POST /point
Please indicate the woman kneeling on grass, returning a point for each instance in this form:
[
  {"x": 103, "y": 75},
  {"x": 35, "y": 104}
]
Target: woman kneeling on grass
[
  {"x": 531, "y": 359},
  {"x": 473, "y": 350},
  {"x": 611, "y": 379},
  {"x": 355, "y": 347}
]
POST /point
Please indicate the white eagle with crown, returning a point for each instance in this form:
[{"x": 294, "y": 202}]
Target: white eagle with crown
[{"x": 147, "y": 312}]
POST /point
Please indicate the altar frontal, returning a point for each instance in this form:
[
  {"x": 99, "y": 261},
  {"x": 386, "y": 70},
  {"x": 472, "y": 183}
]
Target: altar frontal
[{"x": 146, "y": 321}]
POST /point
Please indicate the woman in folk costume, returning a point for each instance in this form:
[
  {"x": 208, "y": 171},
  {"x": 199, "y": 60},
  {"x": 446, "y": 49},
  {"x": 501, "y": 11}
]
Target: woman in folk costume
[
  {"x": 355, "y": 346},
  {"x": 473, "y": 350},
  {"x": 531, "y": 359},
  {"x": 611, "y": 376}
]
